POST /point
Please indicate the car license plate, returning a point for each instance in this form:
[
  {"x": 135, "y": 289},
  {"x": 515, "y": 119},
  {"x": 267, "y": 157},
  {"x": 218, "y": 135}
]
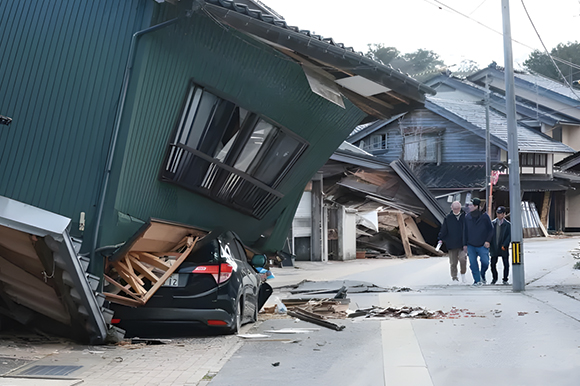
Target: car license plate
[{"x": 172, "y": 281}]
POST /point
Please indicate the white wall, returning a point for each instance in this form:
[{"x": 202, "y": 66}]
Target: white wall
[
  {"x": 346, "y": 234},
  {"x": 572, "y": 209}
]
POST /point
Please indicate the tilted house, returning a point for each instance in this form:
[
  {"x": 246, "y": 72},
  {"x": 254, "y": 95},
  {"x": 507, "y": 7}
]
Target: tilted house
[
  {"x": 445, "y": 144},
  {"x": 206, "y": 113}
]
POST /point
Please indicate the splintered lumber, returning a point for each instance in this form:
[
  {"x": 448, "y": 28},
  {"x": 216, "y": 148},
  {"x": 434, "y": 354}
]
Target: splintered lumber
[
  {"x": 404, "y": 236},
  {"x": 297, "y": 313},
  {"x": 191, "y": 242},
  {"x": 425, "y": 246},
  {"x": 414, "y": 229},
  {"x": 135, "y": 266},
  {"x": 545, "y": 209}
]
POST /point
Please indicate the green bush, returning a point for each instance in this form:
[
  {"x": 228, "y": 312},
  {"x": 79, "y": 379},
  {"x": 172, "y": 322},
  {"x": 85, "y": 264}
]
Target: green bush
[{"x": 577, "y": 265}]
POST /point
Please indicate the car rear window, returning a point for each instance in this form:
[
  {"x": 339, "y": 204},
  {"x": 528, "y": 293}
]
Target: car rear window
[{"x": 208, "y": 252}]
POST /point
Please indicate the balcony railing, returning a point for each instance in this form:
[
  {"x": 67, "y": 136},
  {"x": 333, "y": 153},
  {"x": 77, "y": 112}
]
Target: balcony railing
[{"x": 205, "y": 175}]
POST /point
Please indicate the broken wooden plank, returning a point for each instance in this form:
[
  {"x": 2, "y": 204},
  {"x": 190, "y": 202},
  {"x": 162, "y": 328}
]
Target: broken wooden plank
[
  {"x": 425, "y": 246},
  {"x": 153, "y": 260},
  {"x": 404, "y": 236},
  {"x": 122, "y": 300},
  {"x": 143, "y": 269},
  {"x": 168, "y": 273},
  {"x": 129, "y": 278},
  {"x": 545, "y": 209},
  {"x": 307, "y": 318},
  {"x": 122, "y": 288},
  {"x": 415, "y": 232}
]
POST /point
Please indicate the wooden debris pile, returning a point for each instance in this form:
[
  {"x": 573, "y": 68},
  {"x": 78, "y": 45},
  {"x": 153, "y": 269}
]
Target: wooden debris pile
[
  {"x": 139, "y": 269},
  {"x": 399, "y": 213},
  {"x": 327, "y": 308}
]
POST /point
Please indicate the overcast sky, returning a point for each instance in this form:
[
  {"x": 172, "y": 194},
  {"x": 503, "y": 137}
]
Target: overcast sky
[{"x": 437, "y": 25}]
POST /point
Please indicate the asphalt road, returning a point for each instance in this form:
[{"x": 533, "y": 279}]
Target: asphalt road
[{"x": 489, "y": 335}]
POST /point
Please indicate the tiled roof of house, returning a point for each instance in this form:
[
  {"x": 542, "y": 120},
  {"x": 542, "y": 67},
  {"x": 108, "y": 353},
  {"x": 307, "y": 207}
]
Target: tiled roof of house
[
  {"x": 471, "y": 115},
  {"x": 276, "y": 31},
  {"x": 550, "y": 85}
]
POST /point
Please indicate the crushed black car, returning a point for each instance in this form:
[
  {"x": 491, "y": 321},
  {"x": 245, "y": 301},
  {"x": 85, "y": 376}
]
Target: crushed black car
[{"x": 214, "y": 289}]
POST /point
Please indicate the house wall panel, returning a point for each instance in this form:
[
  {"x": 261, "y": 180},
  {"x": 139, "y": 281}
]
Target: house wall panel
[
  {"x": 457, "y": 144},
  {"x": 60, "y": 77},
  {"x": 236, "y": 68}
]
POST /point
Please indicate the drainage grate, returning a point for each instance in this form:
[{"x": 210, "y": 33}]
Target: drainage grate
[{"x": 54, "y": 371}]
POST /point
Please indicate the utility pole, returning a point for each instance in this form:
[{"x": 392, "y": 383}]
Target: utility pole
[
  {"x": 513, "y": 156},
  {"x": 487, "y": 150}
]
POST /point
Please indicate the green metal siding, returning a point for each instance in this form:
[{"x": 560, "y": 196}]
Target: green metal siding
[
  {"x": 61, "y": 68},
  {"x": 242, "y": 70}
]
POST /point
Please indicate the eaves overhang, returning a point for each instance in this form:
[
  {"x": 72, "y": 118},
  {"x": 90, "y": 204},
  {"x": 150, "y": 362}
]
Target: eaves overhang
[
  {"x": 278, "y": 34},
  {"x": 360, "y": 160}
]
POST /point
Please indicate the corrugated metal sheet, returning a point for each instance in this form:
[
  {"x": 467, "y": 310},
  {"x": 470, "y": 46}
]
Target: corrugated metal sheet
[
  {"x": 60, "y": 74},
  {"x": 237, "y": 68}
]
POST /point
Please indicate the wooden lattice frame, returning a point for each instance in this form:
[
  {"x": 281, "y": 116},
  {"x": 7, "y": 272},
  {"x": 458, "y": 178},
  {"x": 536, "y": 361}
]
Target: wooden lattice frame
[{"x": 135, "y": 266}]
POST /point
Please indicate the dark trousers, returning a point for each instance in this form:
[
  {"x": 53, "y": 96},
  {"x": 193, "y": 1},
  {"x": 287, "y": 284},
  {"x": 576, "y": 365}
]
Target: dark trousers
[{"x": 506, "y": 266}]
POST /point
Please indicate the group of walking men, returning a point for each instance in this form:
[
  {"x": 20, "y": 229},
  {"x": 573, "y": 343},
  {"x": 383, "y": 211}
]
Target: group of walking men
[{"x": 471, "y": 233}]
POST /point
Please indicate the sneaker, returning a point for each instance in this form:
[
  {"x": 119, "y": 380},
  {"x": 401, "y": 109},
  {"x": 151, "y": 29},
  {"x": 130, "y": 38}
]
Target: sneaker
[
  {"x": 477, "y": 284},
  {"x": 505, "y": 282},
  {"x": 483, "y": 281},
  {"x": 493, "y": 281},
  {"x": 463, "y": 280},
  {"x": 455, "y": 279}
]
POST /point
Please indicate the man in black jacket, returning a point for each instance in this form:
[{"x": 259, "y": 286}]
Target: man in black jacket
[
  {"x": 452, "y": 233},
  {"x": 502, "y": 236},
  {"x": 477, "y": 234}
]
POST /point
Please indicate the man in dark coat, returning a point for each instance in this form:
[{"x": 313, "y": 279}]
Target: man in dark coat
[
  {"x": 452, "y": 233},
  {"x": 477, "y": 234},
  {"x": 500, "y": 242}
]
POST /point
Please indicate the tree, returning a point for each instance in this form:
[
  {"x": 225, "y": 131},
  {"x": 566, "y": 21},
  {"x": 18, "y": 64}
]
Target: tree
[
  {"x": 570, "y": 52},
  {"x": 381, "y": 53},
  {"x": 420, "y": 64}
]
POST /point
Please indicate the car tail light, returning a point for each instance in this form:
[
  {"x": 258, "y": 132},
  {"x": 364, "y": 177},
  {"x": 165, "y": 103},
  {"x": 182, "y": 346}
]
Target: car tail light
[
  {"x": 221, "y": 273},
  {"x": 214, "y": 322},
  {"x": 115, "y": 321}
]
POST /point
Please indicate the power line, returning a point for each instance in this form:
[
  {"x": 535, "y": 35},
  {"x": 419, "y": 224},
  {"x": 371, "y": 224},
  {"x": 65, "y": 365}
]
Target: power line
[
  {"x": 547, "y": 53},
  {"x": 478, "y": 22}
]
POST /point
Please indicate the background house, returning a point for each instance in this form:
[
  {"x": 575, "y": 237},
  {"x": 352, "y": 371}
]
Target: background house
[{"x": 445, "y": 144}]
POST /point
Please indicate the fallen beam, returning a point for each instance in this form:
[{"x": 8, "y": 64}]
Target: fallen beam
[{"x": 307, "y": 318}]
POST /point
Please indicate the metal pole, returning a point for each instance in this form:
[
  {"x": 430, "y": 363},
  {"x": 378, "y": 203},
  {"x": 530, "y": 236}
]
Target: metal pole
[
  {"x": 513, "y": 156},
  {"x": 487, "y": 150}
]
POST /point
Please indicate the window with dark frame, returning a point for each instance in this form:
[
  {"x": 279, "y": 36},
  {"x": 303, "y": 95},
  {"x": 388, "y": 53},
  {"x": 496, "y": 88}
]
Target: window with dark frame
[
  {"x": 232, "y": 155},
  {"x": 533, "y": 160}
]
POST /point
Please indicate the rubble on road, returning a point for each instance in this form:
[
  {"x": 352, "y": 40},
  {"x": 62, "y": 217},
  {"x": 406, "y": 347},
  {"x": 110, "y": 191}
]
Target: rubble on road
[{"x": 407, "y": 312}]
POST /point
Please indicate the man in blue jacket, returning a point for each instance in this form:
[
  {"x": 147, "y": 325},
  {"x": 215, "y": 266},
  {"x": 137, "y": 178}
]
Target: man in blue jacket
[
  {"x": 477, "y": 234},
  {"x": 500, "y": 242},
  {"x": 452, "y": 233}
]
